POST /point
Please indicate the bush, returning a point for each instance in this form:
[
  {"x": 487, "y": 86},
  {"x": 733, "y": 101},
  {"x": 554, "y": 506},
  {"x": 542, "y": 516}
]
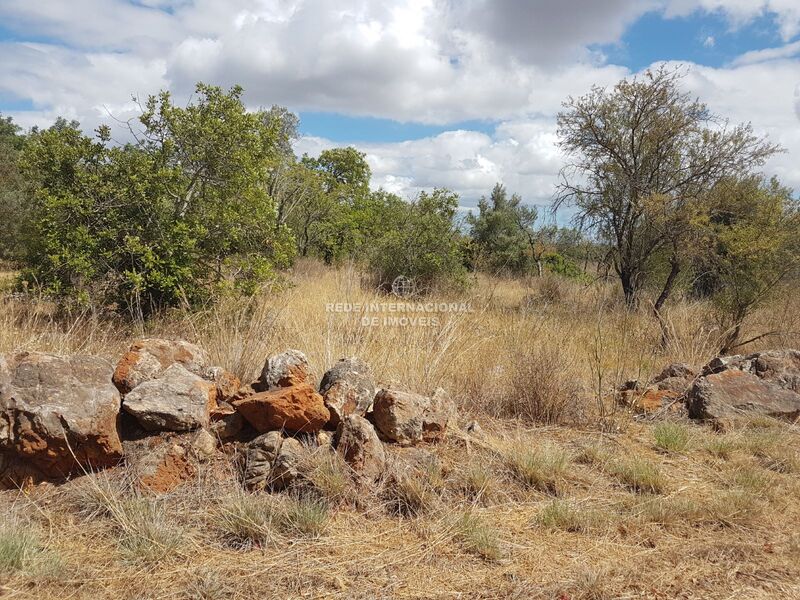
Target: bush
[
  {"x": 171, "y": 219},
  {"x": 424, "y": 245}
]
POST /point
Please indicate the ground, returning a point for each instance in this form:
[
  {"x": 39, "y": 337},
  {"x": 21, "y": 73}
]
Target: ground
[{"x": 560, "y": 494}]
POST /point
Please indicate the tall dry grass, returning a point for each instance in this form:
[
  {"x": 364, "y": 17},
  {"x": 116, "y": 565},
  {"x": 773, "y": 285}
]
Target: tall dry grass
[{"x": 544, "y": 349}]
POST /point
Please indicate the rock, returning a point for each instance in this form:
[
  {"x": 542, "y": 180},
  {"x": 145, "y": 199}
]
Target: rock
[
  {"x": 347, "y": 388},
  {"x": 411, "y": 418},
  {"x": 286, "y": 468},
  {"x": 60, "y": 413},
  {"x": 649, "y": 401},
  {"x": 764, "y": 383},
  {"x": 227, "y": 383},
  {"x": 732, "y": 393},
  {"x": 261, "y": 453},
  {"x": 147, "y": 358},
  {"x": 272, "y": 462},
  {"x": 226, "y": 423},
  {"x": 680, "y": 370},
  {"x": 161, "y": 463},
  {"x": 203, "y": 443},
  {"x": 297, "y": 408},
  {"x": 286, "y": 369},
  {"x": 177, "y": 400},
  {"x": 357, "y": 443}
]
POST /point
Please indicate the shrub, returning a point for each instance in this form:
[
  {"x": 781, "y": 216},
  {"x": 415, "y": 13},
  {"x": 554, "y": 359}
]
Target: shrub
[
  {"x": 173, "y": 218},
  {"x": 424, "y": 246}
]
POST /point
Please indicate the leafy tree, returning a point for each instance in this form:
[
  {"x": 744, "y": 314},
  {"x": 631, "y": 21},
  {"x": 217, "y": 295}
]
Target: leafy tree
[
  {"x": 750, "y": 236},
  {"x": 13, "y": 207},
  {"x": 641, "y": 158},
  {"x": 505, "y": 235},
  {"x": 180, "y": 213},
  {"x": 423, "y": 242}
]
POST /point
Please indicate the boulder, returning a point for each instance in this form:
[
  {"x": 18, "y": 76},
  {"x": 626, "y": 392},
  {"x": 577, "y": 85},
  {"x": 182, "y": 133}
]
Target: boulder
[
  {"x": 347, "y": 388},
  {"x": 286, "y": 369},
  {"x": 60, "y": 413},
  {"x": 160, "y": 463},
  {"x": 298, "y": 408},
  {"x": 408, "y": 418},
  {"x": 147, "y": 358},
  {"x": 272, "y": 462},
  {"x": 226, "y": 423},
  {"x": 675, "y": 377},
  {"x": 357, "y": 443},
  {"x": 764, "y": 383},
  {"x": 227, "y": 383},
  {"x": 177, "y": 400}
]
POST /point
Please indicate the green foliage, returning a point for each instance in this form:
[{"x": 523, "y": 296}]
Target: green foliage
[
  {"x": 421, "y": 241},
  {"x": 171, "y": 218},
  {"x": 12, "y": 200},
  {"x": 750, "y": 234}
]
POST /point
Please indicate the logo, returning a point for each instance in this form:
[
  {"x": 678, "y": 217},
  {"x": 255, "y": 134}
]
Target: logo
[{"x": 402, "y": 286}]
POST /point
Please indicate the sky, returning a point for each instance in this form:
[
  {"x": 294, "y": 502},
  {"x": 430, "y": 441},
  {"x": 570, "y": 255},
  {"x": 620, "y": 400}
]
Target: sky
[{"x": 438, "y": 93}]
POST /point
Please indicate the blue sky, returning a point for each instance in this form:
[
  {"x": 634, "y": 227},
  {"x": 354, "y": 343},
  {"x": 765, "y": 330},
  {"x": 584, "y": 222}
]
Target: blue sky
[{"x": 435, "y": 92}]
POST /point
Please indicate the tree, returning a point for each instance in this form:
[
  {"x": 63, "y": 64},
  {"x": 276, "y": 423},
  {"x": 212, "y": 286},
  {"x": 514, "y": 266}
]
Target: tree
[
  {"x": 750, "y": 236},
  {"x": 178, "y": 214},
  {"x": 423, "y": 244},
  {"x": 641, "y": 158},
  {"x": 13, "y": 207},
  {"x": 505, "y": 234}
]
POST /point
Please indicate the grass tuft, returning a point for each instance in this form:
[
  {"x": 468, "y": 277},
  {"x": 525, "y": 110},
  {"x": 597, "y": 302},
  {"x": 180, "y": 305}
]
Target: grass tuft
[
  {"x": 671, "y": 437},
  {"x": 478, "y": 537},
  {"x": 543, "y": 469}
]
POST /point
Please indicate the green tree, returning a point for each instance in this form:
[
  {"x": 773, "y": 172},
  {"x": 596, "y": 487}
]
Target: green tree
[
  {"x": 13, "y": 207},
  {"x": 750, "y": 241},
  {"x": 422, "y": 242},
  {"x": 640, "y": 159},
  {"x": 171, "y": 218}
]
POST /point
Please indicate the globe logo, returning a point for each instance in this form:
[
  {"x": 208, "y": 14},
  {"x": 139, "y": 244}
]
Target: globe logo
[{"x": 402, "y": 286}]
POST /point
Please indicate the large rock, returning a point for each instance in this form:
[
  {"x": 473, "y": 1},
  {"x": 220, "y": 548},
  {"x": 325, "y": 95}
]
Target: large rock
[
  {"x": 177, "y": 400},
  {"x": 286, "y": 369},
  {"x": 408, "y": 418},
  {"x": 298, "y": 408},
  {"x": 676, "y": 377},
  {"x": 347, "y": 389},
  {"x": 161, "y": 463},
  {"x": 147, "y": 358},
  {"x": 357, "y": 443},
  {"x": 60, "y": 413},
  {"x": 272, "y": 462},
  {"x": 765, "y": 383}
]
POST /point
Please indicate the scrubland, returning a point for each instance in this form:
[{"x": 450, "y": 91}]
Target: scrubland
[{"x": 561, "y": 493}]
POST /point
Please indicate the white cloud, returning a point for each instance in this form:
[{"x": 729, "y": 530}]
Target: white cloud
[
  {"x": 431, "y": 61},
  {"x": 710, "y": 41}
]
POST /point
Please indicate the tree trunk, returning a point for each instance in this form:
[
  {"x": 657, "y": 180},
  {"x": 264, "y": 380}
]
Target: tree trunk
[
  {"x": 669, "y": 284},
  {"x": 629, "y": 288},
  {"x": 538, "y": 267}
]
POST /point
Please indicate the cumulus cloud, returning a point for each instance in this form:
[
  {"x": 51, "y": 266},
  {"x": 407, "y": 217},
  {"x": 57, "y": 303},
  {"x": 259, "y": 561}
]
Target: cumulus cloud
[{"x": 429, "y": 61}]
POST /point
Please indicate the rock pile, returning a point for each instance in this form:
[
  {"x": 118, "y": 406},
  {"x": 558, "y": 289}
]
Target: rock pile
[
  {"x": 164, "y": 409},
  {"x": 727, "y": 388}
]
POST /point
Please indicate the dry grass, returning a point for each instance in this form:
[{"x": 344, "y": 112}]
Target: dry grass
[{"x": 543, "y": 504}]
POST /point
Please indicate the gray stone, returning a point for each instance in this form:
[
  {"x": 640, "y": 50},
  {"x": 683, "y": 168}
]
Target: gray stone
[
  {"x": 347, "y": 388},
  {"x": 357, "y": 443},
  {"x": 177, "y": 400},
  {"x": 408, "y": 418},
  {"x": 286, "y": 369},
  {"x": 59, "y": 412},
  {"x": 764, "y": 383}
]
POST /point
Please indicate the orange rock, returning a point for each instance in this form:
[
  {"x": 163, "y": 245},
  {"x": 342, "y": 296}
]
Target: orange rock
[
  {"x": 654, "y": 400},
  {"x": 295, "y": 408},
  {"x": 147, "y": 358}
]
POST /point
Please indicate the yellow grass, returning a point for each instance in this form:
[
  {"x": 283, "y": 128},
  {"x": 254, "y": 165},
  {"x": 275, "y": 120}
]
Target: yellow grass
[{"x": 722, "y": 521}]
